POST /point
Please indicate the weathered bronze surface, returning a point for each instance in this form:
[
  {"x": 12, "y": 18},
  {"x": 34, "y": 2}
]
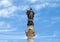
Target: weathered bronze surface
[
  {"x": 30, "y": 23},
  {"x": 30, "y": 15}
]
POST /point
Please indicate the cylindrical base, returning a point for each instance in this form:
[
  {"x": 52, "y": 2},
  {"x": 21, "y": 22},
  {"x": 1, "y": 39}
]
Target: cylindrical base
[
  {"x": 31, "y": 27},
  {"x": 30, "y": 40}
]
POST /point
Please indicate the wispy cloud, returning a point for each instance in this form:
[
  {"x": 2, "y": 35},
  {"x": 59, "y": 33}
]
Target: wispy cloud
[
  {"x": 5, "y": 27},
  {"x": 55, "y": 18},
  {"x": 48, "y": 38},
  {"x": 54, "y": 35},
  {"x": 43, "y": 3},
  {"x": 23, "y": 7},
  {"x": 12, "y": 37},
  {"x": 7, "y": 12},
  {"x": 40, "y": 6},
  {"x": 7, "y": 30}
]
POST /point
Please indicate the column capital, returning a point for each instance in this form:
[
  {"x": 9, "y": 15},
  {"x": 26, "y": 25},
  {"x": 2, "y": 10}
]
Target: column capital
[{"x": 30, "y": 33}]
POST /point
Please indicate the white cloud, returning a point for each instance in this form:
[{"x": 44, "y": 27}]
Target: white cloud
[
  {"x": 8, "y": 9},
  {"x": 4, "y": 13},
  {"x": 8, "y": 12},
  {"x": 12, "y": 9},
  {"x": 5, "y": 3},
  {"x": 53, "y": 4},
  {"x": 40, "y": 6},
  {"x": 45, "y": 4}
]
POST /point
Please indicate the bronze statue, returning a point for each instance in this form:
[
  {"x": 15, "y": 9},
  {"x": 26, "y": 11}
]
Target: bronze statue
[{"x": 30, "y": 15}]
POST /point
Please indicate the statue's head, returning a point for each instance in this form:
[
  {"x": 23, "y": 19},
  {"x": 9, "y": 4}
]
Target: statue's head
[{"x": 30, "y": 8}]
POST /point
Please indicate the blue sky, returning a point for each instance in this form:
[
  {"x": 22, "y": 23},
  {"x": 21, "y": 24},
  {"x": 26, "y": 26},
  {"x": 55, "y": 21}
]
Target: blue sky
[{"x": 13, "y": 20}]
